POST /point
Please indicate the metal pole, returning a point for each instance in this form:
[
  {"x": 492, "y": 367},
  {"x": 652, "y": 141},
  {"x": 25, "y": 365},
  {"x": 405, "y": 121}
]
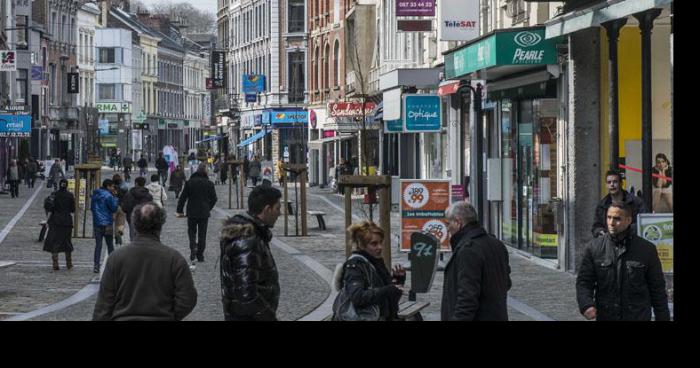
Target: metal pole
[
  {"x": 646, "y": 23},
  {"x": 613, "y": 30}
]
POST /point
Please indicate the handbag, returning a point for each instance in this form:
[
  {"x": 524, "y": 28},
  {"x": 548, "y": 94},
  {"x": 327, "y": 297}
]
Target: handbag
[{"x": 345, "y": 310}]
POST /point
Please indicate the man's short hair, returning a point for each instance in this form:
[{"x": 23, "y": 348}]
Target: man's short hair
[
  {"x": 262, "y": 196},
  {"x": 140, "y": 181},
  {"x": 463, "y": 211},
  {"x": 202, "y": 168},
  {"x": 148, "y": 218},
  {"x": 106, "y": 183},
  {"x": 614, "y": 173},
  {"x": 625, "y": 207},
  {"x": 155, "y": 178}
]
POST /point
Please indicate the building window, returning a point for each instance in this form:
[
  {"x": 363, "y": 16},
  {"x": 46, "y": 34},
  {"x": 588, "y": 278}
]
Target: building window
[
  {"x": 108, "y": 55},
  {"x": 296, "y": 16},
  {"x": 22, "y": 40},
  {"x": 107, "y": 92},
  {"x": 53, "y": 83},
  {"x": 21, "y": 96},
  {"x": 336, "y": 63},
  {"x": 296, "y": 77}
]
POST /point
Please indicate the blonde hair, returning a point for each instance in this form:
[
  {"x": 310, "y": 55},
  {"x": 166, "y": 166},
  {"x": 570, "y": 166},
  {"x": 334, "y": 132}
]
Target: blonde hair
[{"x": 361, "y": 233}]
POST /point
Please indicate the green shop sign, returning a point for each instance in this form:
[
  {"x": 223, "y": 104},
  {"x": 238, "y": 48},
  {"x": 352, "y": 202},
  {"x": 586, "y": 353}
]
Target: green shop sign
[{"x": 519, "y": 47}]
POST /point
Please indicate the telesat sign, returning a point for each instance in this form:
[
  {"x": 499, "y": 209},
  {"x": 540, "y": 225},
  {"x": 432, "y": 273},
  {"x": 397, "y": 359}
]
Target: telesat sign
[
  {"x": 346, "y": 109},
  {"x": 459, "y": 20}
]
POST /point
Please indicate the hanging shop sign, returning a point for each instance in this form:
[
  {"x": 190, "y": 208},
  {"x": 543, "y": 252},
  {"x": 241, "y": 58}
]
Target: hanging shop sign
[
  {"x": 423, "y": 206},
  {"x": 350, "y": 109},
  {"x": 422, "y": 113},
  {"x": 414, "y": 25},
  {"x": 251, "y": 98},
  {"x": 459, "y": 20},
  {"x": 218, "y": 66},
  {"x": 37, "y": 73},
  {"x": 415, "y": 8},
  {"x": 117, "y": 108},
  {"x": 521, "y": 47},
  {"x": 393, "y": 126},
  {"x": 16, "y": 126},
  {"x": 73, "y": 83},
  {"x": 8, "y": 61},
  {"x": 253, "y": 83}
]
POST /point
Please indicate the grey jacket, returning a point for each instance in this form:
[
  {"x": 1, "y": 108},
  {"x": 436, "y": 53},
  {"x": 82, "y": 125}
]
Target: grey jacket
[{"x": 145, "y": 281}]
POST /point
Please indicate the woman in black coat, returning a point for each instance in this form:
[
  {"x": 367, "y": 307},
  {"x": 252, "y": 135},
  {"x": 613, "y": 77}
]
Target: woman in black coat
[{"x": 60, "y": 222}]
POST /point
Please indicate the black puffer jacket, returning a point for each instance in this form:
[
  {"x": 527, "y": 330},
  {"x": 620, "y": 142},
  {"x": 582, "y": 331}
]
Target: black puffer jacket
[
  {"x": 250, "y": 289},
  {"x": 477, "y": 278},
  {"x": 200, "y": 195},
  {"x": 363, "y": 292},
  {"x": 134, "y": 197},
  {"x": 623, "y": 279},
  {"x": 600, "y": 224}
]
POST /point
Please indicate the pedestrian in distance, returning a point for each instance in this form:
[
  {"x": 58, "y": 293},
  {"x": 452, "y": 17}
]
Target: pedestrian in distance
[
  {"x": 13, "y": 177},
  {"x": 620, "y": 277},
  {"x": 223, "y": 171},
  {"x": 142, "y": 163},
  {"x": 477, "y": 276},
  {"x": 613, "y": 181},
  {"x": 246, "y": 168},
  {"x": 177, "y": 181},
  {"x": 104, "y": 204},
  {"x": 56, "y": 173},
  {"x": 365, "y": 279},
  {"x": 127, "y": 163},
  {"x": 200, "y": 195},
  {"x": 162, "y": 167},
  {"x": 58, "y": 238},
  {"x": 157, "y": 191},
  {"x": 255, "y": 169},
  {"x": 134, "y": 197},
  {"x": 249, "y": 278},
  {"x": 32, "y": 170},
  {"x": 146, "y": 280},
  {"x": 119, "y": 216}
]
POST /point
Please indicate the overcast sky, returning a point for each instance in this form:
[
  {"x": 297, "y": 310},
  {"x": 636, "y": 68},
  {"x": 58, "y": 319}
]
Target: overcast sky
[{"x": 208, "y": 5}]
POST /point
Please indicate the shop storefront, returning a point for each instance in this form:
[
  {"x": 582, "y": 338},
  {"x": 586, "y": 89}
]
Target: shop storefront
[{"x": 520, "y": 117}]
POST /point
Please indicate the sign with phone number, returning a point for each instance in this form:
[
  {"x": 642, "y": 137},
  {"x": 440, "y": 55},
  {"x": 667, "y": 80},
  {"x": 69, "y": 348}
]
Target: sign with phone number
[{"x": 415, "y": 8}]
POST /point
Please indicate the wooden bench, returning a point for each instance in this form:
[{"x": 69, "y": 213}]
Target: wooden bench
[
  {"x": 408, "y": 310},
  {"x": 319, "y": 217}
]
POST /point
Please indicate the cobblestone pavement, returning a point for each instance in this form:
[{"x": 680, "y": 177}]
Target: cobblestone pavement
[{"x": 538, "y": 293}]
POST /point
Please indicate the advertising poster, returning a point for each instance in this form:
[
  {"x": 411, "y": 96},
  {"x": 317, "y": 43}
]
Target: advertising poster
[
  {"x": 423, "y": 206},
  {"x": 71, "y": 189},
  {"x": 658, "y": 229},
  {"x": 268, "y": 171}
]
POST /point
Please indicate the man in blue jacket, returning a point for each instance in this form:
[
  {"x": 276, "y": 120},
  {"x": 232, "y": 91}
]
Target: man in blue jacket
[{"x": 104, "y": 205}]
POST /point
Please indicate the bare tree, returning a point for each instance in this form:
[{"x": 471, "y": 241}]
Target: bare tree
[{"x": 191, "y": 19}]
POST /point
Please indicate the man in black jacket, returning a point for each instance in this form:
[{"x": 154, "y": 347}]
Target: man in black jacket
[
  {"x": 613, "y": 180},
  {"x": 134, "y": 197},
  {"x": 249, "y": 279},
  {"x": 146, "y": 280},
  {"x": 620, "y": 276},
  {"x": 162, "y": 167},
  {"x": 143, "y": 166},
  {"x": 477, "y": 276},
  {"x": 200, "y": 195}
]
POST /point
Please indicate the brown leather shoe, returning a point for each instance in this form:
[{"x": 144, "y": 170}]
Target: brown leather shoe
[{"x": 69, "y": 260}]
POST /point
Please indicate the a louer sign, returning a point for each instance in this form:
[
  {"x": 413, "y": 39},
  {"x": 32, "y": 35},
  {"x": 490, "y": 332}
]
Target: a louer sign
[{"x": 520, "y": 47}]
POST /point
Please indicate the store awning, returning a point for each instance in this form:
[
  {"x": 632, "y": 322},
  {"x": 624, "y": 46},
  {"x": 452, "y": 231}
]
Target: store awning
[
  {"x": 211, "y": 139},
  {"x": 598, "y": 14},
  {"x": 448, "y": 88},
  {"x": 254, "y": 138}
]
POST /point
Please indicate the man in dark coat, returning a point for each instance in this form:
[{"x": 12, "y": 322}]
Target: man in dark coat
[
  {"x": 162, "y": 167},
  {"x": 249, "y": 278},
  {"x": 613, "y": 181},
  {"x": 32, "y": 169},
  {"x": 143, "y": 166},
  {"x": 200, "y": 195},
  {"x": 477, "y": 276},
  {"x": 58, "y": 239},
  {"x": 134, "y": 197},
  {"x": 146, "y": 280},
  {"x": 620, "y": 277}
]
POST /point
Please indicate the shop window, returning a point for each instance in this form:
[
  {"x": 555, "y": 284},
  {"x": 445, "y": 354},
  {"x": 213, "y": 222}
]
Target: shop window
[
  {"x": 509, "y": 229},
  {"x": 545, "y": 182}
]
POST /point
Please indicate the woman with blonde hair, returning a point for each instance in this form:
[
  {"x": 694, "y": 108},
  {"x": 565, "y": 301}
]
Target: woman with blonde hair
[{"x": 364, "y": 278}]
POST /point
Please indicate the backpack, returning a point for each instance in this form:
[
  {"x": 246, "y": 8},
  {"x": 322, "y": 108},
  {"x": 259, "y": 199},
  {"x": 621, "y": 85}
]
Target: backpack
[
  {"x": 49, "y": 202},
  {"x": 344, "y": 310}
]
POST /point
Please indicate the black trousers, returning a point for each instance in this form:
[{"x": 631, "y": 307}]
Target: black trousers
[
  {"x": 197, "y": 232},
  {"x": 14, "y": 188}
]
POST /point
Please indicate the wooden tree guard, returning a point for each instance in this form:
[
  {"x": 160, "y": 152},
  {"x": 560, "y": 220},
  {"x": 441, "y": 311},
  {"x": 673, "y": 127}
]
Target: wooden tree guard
[
  {"x": 241, "y": 181},
  {"x": 382, "y": 182},
  {"x": 93, "y": 180},
  {"x": 301, "y": 171}
]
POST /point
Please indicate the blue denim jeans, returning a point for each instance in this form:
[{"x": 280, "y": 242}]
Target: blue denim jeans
[{"x": 99, "y": 234}]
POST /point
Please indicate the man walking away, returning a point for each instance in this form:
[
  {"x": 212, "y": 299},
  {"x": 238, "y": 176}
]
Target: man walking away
[
  {"x": 249, "y": 278},
  {"x": 613, "y": 180},
  {"x": 32, "y": 169},
  {"x": 200, "y": 195},
  {"x": 162, "y": 167},
  {"x": 103, "y": 205},
  {"x": 146, "y": 280},
  {"x": 56, "y": 173},
  {"x": 157, "y": 191},
  {"x": 477, "y": 276},
  {"x": 143, "y": 166},
  {"x": 134, "y": 197},
  {"x": 127, "y": 163},
  {"x": 13, "y": 178},
  {"x": 620, "y": 277}
]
